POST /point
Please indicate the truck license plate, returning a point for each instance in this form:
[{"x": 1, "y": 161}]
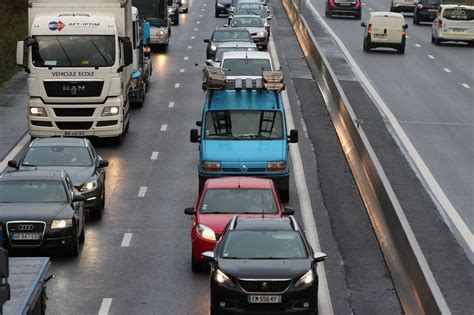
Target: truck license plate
[
  {"x": 264, "y": 299},
  {"x": 26, "y": 236},
  {"x": 74, "y": 133}
]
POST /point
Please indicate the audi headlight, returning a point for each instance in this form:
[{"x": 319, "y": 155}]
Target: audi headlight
[
  {"x": 38, "y": 112},
  {"x": 110, "y": 111},
  {"x": 305, "y": 280},
  {"x": 213, "y": 47},
  {"x": 211, "y": 166},
  {"x": 276, "y": 166},
  {"x": 262, "y": 34},
  {"x": 61, "y": 224},
  {"x": 205, "y": 232},
  {"x": 89, "y": 186},
  {"x": 222, "y": 278}
]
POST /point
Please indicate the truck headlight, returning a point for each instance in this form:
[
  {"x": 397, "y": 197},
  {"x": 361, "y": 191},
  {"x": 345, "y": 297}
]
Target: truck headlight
[
  {"x": 213, "y": 47},
  {"x": 305, "y": 280},
  {"x": 89, "y": 186},
  {"x": 205, "y": 232},
  {"x": 61, "y": 224},
  {"x": 38, "y": 112},
  {"x": 161, "y": 32},
  {"x": 276, "y": 166},
  {"x": 211, "y": 166},
  {"x": 110, "y": 111},
  {"x": 222, "y": 278}
]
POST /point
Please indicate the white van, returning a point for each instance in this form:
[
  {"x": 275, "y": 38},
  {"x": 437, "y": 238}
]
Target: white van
[
  {"x": 453, "y": 23},
  {"x": 385, "y": 29}
]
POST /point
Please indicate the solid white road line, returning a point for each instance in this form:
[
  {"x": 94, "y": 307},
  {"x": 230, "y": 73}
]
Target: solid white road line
[
  {"x": 171, "y": 104},
  {"x": 105, "y": 306},
  {"x": 142, "y": 192},
  {"x": 127, "y": 238},
  {"x": 408, "y": 145},
  {"x": 324, "y": 298},
  {"x": 431, "y": 57},
  {"x": 177, "y": 85},
  {"x": 154, "y": 155},
  {"x": 164, "y": 127},
  {"x": 14, "y": 152},
  {"x": 467, "y": 86}
]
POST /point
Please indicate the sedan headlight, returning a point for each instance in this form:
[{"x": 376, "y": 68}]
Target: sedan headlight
[
  {"x": 110, "y": 111},
  {"x": 262, "y": 34},
  {"x": 89, "y": 186},
  {"x": 222, "y": 278},
  {"x": 205, "y": 232},
  {"x": 61, "y": 224},
  {"x": 305, "y": 280},
  {"x": 213, "y": 47},
  {"x": 276, "y": 166},
  {"x": 38, "y": 112}
]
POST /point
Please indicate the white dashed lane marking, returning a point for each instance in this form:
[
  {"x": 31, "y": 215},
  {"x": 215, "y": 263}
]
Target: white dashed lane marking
[
  {"x": 142, "y": 191},
  {"x": 447, "y": 70},
  {"x": 467, "y": 86},
  {"x": 186, "y": 58},
  {"x": 181, "y": 70},
  {"x": 193, "y": 37},
  {"x": 105, "y": 306},
  {"x": 417, "y": 45},
  {"x": 431, "y": 57},
  {"x": 127, "y": 238},
  {"x": 154, "y": 155},
  {"x": 177, "y": 85},
  {"x": 171, "y": 104},
  {"x": 189, "y": 47},
  {"x": 164, "y": 127},
  {"x": 195, "y": 29}
]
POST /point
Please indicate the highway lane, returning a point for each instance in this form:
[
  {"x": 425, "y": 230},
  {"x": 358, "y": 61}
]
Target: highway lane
[{"x": 430, "y": 92}]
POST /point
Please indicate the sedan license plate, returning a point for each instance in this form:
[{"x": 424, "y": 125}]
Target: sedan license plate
[
  {"x": 458, "y": 30},
  {"x": 264, "y": 298},
  {"x": 74, "y": 133},
  {"x": 26, "y": 236}
]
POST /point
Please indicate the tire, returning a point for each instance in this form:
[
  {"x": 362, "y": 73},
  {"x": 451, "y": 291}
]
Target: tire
[
  {"x": 73, "y": 250},
  {"x": 401, "y": 49},
  {"x": 470, "y": 44},
  {"x": 265, "y": 47},
  {"x": 214, "y": 311},
  {"x": 96, "y": 212},
  {"x": 416, "y": 21},
  {"x": 196, "y": 266},
  {"x": 216, "y": 14},
  {"x": 117, "y": 140},
  {"x": 432, "y": 39},
  {"x": 82, "y": 236},
  {"x": 437, "y": 41},
  {"x": 366, "y": 46},
  {"x": 326, "y": 13}
]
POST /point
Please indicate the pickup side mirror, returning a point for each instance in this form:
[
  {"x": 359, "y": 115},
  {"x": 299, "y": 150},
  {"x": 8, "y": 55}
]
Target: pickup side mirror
[
  {"x": 288, "y": 211},
  {"x": 319, "y": 256},
  {"x": 209, "y": 62},
  {"x": 208, "y": 256},
  {"x": 103, "y": 163},
  {"x": 207, "y": 40},
  {"x": 189, "y": 211},
  {"x": 363, "y": 24},
  {"x": 194, "y": 136},
  {"x": 78, "y": 197},
  {"x": 293, "y": 136},
  {"x": 13, "y": 164}
]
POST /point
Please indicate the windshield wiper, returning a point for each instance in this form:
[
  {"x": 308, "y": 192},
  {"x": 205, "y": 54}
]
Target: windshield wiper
[
  {"x": 105, "y": 59},
  {"x": 65, "y": 53}
]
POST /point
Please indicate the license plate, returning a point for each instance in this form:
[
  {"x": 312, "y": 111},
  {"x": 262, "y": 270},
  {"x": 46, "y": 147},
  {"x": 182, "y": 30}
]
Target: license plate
[
  {"x": 433, "y": 10},
  {"x": 345, "y": 4},
  {"x": 264, "y": 299},
  {"x": 74, "y": 133},
  {"x": 26, "y": 236},
  {"x": 379, "y": 36},
  {"x": 458, "y": 30}
]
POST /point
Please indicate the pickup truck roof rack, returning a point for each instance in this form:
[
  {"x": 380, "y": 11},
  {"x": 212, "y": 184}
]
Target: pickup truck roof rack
[{"x": 214, "y": 78}]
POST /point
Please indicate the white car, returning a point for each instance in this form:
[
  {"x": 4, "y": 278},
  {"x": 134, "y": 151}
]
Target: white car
[
  {"x": 402, "y": 5},
  {"x": 229, "y": 46},
  {"x": 255, "y": 26},
  {"x": 385, "y": 29},
  {"x": 254, "y": 9},
  {"x": 453, "y": 23},
  {"x": 246, "y": 64}
]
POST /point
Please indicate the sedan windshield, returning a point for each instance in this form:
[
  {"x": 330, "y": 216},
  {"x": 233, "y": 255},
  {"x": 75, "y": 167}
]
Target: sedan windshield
[
  {"x": 264, "y": 245},
  {"x": 32, "y": 191},
  {"x": 239, "y": 201},
  {"x": 246, "y": 22},
  {"x": 57, "y": 156},
  {"x": 249, "y": 9},
  {"x": 230, "y": 35},
  {"x": 244, "y": 124},
  {"x": 74, "y": 51},
  {"x": 246, "y": 67}
]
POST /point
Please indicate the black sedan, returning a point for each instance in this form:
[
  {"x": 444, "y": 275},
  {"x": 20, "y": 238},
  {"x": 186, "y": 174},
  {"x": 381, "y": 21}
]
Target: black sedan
[
  {"x": 425, "y": 10},
  {"x": 344, "y": 7},
  {"x": 222, "y": 7},
  {"x": 41, "y": 209},
  {"x": 78, "y": 158},
  {"x": 263, "y": 265},
  {"x": 225, "y": 34}
]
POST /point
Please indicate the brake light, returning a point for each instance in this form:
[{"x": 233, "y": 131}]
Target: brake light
[
  {"x": 357, "y": 5},
  {"x": 420, "y": 7},
  {"x": 331, "y": 3},
  {"x": 404, "y": 33},
  {"x": 369, "y": 29},
  {"x": 440, "y": 23}
]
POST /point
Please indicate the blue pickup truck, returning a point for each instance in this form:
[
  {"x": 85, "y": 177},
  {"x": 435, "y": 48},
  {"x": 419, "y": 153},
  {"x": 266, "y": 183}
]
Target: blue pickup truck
[{"x": 243, "y": 129}]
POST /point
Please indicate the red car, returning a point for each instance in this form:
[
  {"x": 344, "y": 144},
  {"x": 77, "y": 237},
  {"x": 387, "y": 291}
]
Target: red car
[{"x": 223, "y": 198}]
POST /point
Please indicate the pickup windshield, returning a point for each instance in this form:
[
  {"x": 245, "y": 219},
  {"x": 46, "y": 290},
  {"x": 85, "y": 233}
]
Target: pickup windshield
[
  {"x": 243, "y": 125},
  {"x": 74, "y": 51}
]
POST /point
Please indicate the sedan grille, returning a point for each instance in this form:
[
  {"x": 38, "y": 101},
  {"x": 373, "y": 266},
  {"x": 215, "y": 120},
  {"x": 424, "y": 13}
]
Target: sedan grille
[
  {"x": 26, "y": 233},
  {"x": 274, "y": 286}
]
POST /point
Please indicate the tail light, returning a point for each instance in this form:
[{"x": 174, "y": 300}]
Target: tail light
[
  {"x": 404, "y": 33},
  {"x": 420, "y": 7},
  {"x": 358, "y": 4},
  {"x": 331, "y": 3},
  {"x": 440, "y": 23},
  {"x": 369, "y": 29}
]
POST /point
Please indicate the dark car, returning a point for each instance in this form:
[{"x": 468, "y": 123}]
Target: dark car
[
  {"x": 41, "y": 209},
  {"x": 222, "y": 7},
  {"x": 173, "y": 11},
  {"x": 425, "y": 10},
  {"x": 78, "y": 158},
  {"x": 263, "y": 265},
  {"x": 225, "y": 34},
  {"x": 344, "y": 7}
]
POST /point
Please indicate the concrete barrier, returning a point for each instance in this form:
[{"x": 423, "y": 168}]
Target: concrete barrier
[{"x": 416, "y": 287}]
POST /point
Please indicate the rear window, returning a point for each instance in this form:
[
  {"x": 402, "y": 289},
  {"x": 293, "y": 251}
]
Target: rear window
[
  {"x": 238, "y": 201},
  {"x": 459, "y": 14}
]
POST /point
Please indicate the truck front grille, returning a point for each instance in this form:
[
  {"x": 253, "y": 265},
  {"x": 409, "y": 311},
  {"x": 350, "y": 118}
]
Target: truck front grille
[
  {"x": 73, "y": 88},
  {"x": 74, "y": 112},
  {"x": 74, "y": 125}
]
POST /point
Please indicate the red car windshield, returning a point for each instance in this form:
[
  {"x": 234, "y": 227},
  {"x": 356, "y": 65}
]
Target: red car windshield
[{"x": 239, "y": 201}]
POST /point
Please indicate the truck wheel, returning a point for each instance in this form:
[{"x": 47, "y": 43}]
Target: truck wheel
[{"x": 358, "y": 16}]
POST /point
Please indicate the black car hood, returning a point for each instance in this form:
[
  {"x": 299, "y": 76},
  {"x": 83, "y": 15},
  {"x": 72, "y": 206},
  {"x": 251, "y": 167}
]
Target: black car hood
[
  {"x": 33, "y": 211},
  {"x": 263, "y": 268},
  {"x": 78, "y": 174}
]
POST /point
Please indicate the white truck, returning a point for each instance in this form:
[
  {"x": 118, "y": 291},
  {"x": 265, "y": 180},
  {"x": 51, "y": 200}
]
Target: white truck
[{"x": 79, "y": 67}]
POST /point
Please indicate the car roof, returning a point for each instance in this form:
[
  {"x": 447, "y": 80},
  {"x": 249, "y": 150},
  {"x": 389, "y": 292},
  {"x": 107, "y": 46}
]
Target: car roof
[
  {"x": 264, "y": 224},
  {"x": 246, "y": 16},
  {"x": 454, "y": 5},
  {"x": 67, "y": 141},
  {"x": 246, "y": 54},
  {"x": 243, "y": 100},
  {"x": 226, "y": 29},
  {"x": 238, "y": 182},
  {"x": 33, "y": 175},
  {"x": 236, "y": 45},
  {"x": 387, "y": 14}
]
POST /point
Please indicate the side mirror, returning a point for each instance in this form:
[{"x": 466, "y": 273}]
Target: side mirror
[
  {"x": 293, "y": 136},
  {"x": 189, "y": 211},
  {"x": 319, "y": 256},
  {"x": 13, "y": 164},
  {"x": 406, "y": 26},
  {"x": 199, "y": 123},
  {"x": 103, "y": 163},
  {"x": 226, "y": 25},
  {"x": 209, "y": 62},
  {"x": 194, "y": 136},
  {"x": 269, "y": 17},
  {"x": 78, "y": 197},
  {"x": 288, "y": 211},
  {"x": 208, "y": 256},
  {"x": 363, "y": 24},
  {"x": 206, "y": 41},
  {"x": 127, "y": 52}
]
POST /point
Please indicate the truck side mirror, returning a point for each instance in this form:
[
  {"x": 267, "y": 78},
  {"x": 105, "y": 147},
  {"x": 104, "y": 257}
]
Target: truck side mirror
[
  {"x": 127, "y": 52},
  {"x": 293, "y": 136},
  {"x": 13, "y": 164},
  {"x": 194, "y": 136}
]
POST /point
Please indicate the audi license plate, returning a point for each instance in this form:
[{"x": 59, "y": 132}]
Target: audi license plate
[
  {"x": 74, "y": 133},
  {"x": 26, "y": 236},
  {"x": 264, "y": 298}
]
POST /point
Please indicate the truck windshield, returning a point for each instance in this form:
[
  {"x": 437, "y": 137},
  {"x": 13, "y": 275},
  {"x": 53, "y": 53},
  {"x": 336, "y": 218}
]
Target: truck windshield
[
  {"x": 74, "y": 51},
  {"x": 243, "y": 125}
]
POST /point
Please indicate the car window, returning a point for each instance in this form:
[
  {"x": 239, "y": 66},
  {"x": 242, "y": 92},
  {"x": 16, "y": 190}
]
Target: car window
[
  {"x": 239, "y": 201},
  {"x": 247, "y": 244},
  {"x": 246, "y": 22},
  {"x": 57, "y": 156},
  {"x": 230, "y": 35},
  {"x": 32, "y": 191},
  {"x": 221, "y": 50},
  {"x": 246, "y": 67},
  {"x": 251, "y": 9},
  {"x": 459, "y": 14}
]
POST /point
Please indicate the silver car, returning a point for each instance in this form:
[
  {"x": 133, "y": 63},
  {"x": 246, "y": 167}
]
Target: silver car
[{"x": 255, "y": 26}]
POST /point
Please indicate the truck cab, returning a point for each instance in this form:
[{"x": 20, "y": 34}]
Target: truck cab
[{"x": 243, "y": 129}]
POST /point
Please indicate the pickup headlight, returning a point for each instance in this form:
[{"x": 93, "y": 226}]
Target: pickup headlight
[
  {"x": 89, "y": 186},
  {"x": 276, "y": 166},
  {"x": 213, "y": 47},
  {"x": 211, "y": 166},
  {"x": 222, "y": 278},
  {"x": 61, "y": 224},
  {"x": 205, "y": 232},
  {"x": 110, "y": 111},
  {"x": 38, "y": 112},
  {"x": 305, "y": 280}
]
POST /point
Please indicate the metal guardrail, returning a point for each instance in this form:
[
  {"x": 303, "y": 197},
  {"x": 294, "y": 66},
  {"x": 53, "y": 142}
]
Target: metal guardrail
[{"x": 414, "y": 282}]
